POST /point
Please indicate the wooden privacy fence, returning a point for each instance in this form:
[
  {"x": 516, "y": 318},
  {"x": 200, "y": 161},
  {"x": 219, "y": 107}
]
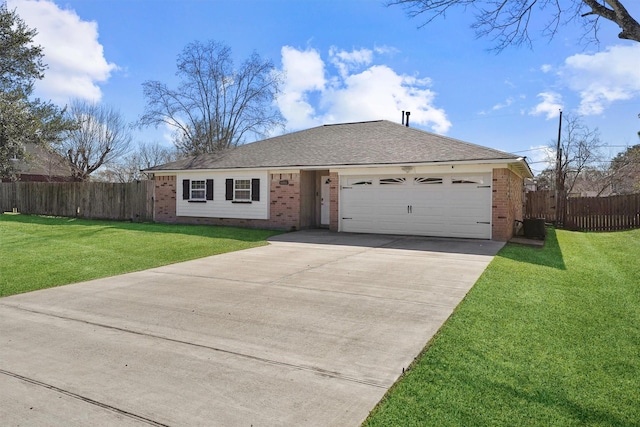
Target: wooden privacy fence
[
  {"x": 603, "y": 213},
  {"x": 586, "y": 213},
  {"x": 97, "y": 200},
  {"x": 541, "y": 204}
]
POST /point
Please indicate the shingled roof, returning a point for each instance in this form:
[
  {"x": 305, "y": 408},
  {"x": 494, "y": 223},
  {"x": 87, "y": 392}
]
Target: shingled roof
[{"x": 349, "y": 144}]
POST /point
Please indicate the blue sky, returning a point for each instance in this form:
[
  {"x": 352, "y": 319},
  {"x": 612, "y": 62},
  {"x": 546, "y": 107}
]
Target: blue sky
[{"x": 349, "y": 60}]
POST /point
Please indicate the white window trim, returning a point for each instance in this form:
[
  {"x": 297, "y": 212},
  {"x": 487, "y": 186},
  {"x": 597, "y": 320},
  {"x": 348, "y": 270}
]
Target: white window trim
[
  {"x": 203, "y": 189},
  {"x": 236, "y": 189}
]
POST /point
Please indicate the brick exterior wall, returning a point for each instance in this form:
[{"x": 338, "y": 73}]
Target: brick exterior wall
[
  {"x": 284, "y": 212},
  {"x": 334, "y": 189},
  {"x": 507, "y": 203},
  {"x": 165, "y": 199},
  {"x": 284, "y": 209}
]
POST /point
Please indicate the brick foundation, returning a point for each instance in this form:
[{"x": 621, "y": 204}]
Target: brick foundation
[{"x": 507, "y": 203}]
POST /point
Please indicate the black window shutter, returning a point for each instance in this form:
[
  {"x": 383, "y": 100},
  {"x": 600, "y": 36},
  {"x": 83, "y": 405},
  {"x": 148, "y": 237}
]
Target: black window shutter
[
  {"x": 255, "y": 189},
  {"x": 209, "y": 189},
  {"x": 229, "y": 189},
  {"x": 185, "y": 189}
]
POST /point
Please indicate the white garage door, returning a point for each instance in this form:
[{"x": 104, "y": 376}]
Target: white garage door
[{"x": 427, "y": 205}]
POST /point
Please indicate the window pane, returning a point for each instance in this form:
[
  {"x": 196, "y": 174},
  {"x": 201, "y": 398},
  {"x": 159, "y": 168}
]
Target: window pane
[
  {"x": 242, "y": 189},
  {"x": 198, "y": 189},
  {"x": 243, "y": 195}
]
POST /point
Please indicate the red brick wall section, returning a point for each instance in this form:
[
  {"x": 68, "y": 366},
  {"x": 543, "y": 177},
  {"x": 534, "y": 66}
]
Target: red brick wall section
[
  {"x": 284, "y": 209},
  {"x": 165, "y": 199},
  {"x": 506, "y": 203},
  {"x": 284, "y": 212},
  {"x": 334, "y": 189}
]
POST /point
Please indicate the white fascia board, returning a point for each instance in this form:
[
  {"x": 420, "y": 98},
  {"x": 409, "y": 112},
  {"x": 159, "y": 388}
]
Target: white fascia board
[{"x": 494, "y": 163}]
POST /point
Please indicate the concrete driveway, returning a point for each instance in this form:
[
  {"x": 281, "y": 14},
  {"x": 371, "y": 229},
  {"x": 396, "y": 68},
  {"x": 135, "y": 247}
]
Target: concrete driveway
[{"x": 308, "y": 331}]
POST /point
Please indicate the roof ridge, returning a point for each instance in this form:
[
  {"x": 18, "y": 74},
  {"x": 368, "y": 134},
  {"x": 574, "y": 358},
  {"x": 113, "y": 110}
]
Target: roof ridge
[{"x": 353, "y": 123}]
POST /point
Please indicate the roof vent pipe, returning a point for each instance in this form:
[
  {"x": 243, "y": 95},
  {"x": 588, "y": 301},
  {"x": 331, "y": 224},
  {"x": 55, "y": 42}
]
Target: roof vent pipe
[
  {"x": 402, "y": 117},
  {"x": 407, "y": 113}
]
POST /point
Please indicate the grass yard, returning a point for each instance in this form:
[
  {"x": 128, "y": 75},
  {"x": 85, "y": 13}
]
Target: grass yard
[
  {"x": 546, "y": 337},
  {"x": 41, "y": 252}
]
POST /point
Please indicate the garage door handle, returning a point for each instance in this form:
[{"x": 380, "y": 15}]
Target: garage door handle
[
  {"x": 484, "y": 186},
  {"x": 346, "y": 218},
  {"x": 483, "y": 222},
  {"x": 409, "y": 209}
]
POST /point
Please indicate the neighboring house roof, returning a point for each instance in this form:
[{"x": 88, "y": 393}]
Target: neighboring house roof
[
  {"x": 44, "y": 162},
  {"x": 350, "y": 144}
]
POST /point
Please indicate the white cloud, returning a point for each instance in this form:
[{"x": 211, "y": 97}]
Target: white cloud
[
  {"x": 545, "y": 68},
  {"x": 387, "y": 50},
  {"x": 550, "y": 105},
  {"x": 502, "y": 105},
  {"x": 304, "y": 72},
  {"x": 346, "y": 62},
  {"x": 541, "y": 157},
  {"x": 604, "y": 77},
  {"x": 75, "y": 58},
  {"x": 359, "y": 91}
]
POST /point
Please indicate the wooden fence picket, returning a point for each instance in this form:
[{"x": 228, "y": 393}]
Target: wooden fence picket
[
  {"x": 586, "y": 213},
  {"x": 131, "y": 201}
]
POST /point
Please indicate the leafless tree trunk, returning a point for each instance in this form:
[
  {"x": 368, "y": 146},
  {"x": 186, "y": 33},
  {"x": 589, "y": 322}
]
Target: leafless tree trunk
[
  {"x": 511, "y": 22},
  {"x": 216, "y": 106},
  {"x": 101, "y": 136},
  {"x": 580, "y": 148}
]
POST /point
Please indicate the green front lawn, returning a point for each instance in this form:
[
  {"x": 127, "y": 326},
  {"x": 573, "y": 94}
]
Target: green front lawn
[
  {"x": 41, "y": 252},
  {"x": 545, "y": 337}
]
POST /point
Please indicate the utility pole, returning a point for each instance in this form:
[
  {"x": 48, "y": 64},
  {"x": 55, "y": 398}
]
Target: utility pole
[{"x": 559, "y": 181}]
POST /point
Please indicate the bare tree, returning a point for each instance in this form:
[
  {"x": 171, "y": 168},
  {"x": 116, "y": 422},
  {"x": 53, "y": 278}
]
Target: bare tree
[
  {"x": 545, "y": 179},
  {"x": 130, "y": 167},
  {"x": 100, "y": 137},
  {"x": 215, "y": 106},
  {"x": 580, "y": 148},
  {"x": 510, "y": 22},
  {"x": 625, "y": 171}
]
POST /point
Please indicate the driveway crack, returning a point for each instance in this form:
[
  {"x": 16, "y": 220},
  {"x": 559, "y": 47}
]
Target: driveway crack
[
  {"x": 84, "y": 399},
  {"x": 312, "y": 369}
]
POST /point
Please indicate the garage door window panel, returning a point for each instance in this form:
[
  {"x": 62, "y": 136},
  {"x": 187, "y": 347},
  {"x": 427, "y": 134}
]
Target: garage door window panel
[
  {"x": 467, "y": 180},
  {"x": 427, "y": 180},
  {"x": 359, "y": 182},
  {"x": 393, "y": 181}
]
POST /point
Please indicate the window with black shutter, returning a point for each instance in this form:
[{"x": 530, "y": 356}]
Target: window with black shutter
[
  {"x": 255, "y": 189},
  {"x": 197, "y": 190},
  {"x": 186, "y": 188},
  {"x": 228, "y": 189},
  {"x": 242, "y": 190},
  {"x": 209, "y": 189}
]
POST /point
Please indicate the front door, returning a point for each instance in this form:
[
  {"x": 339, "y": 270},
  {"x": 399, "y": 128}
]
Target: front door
[{"x": 324, "y": 200}]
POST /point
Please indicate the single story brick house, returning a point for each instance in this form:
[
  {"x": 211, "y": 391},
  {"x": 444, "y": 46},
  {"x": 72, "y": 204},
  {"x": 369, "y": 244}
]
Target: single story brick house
[{"x": 367, "y": 177}]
